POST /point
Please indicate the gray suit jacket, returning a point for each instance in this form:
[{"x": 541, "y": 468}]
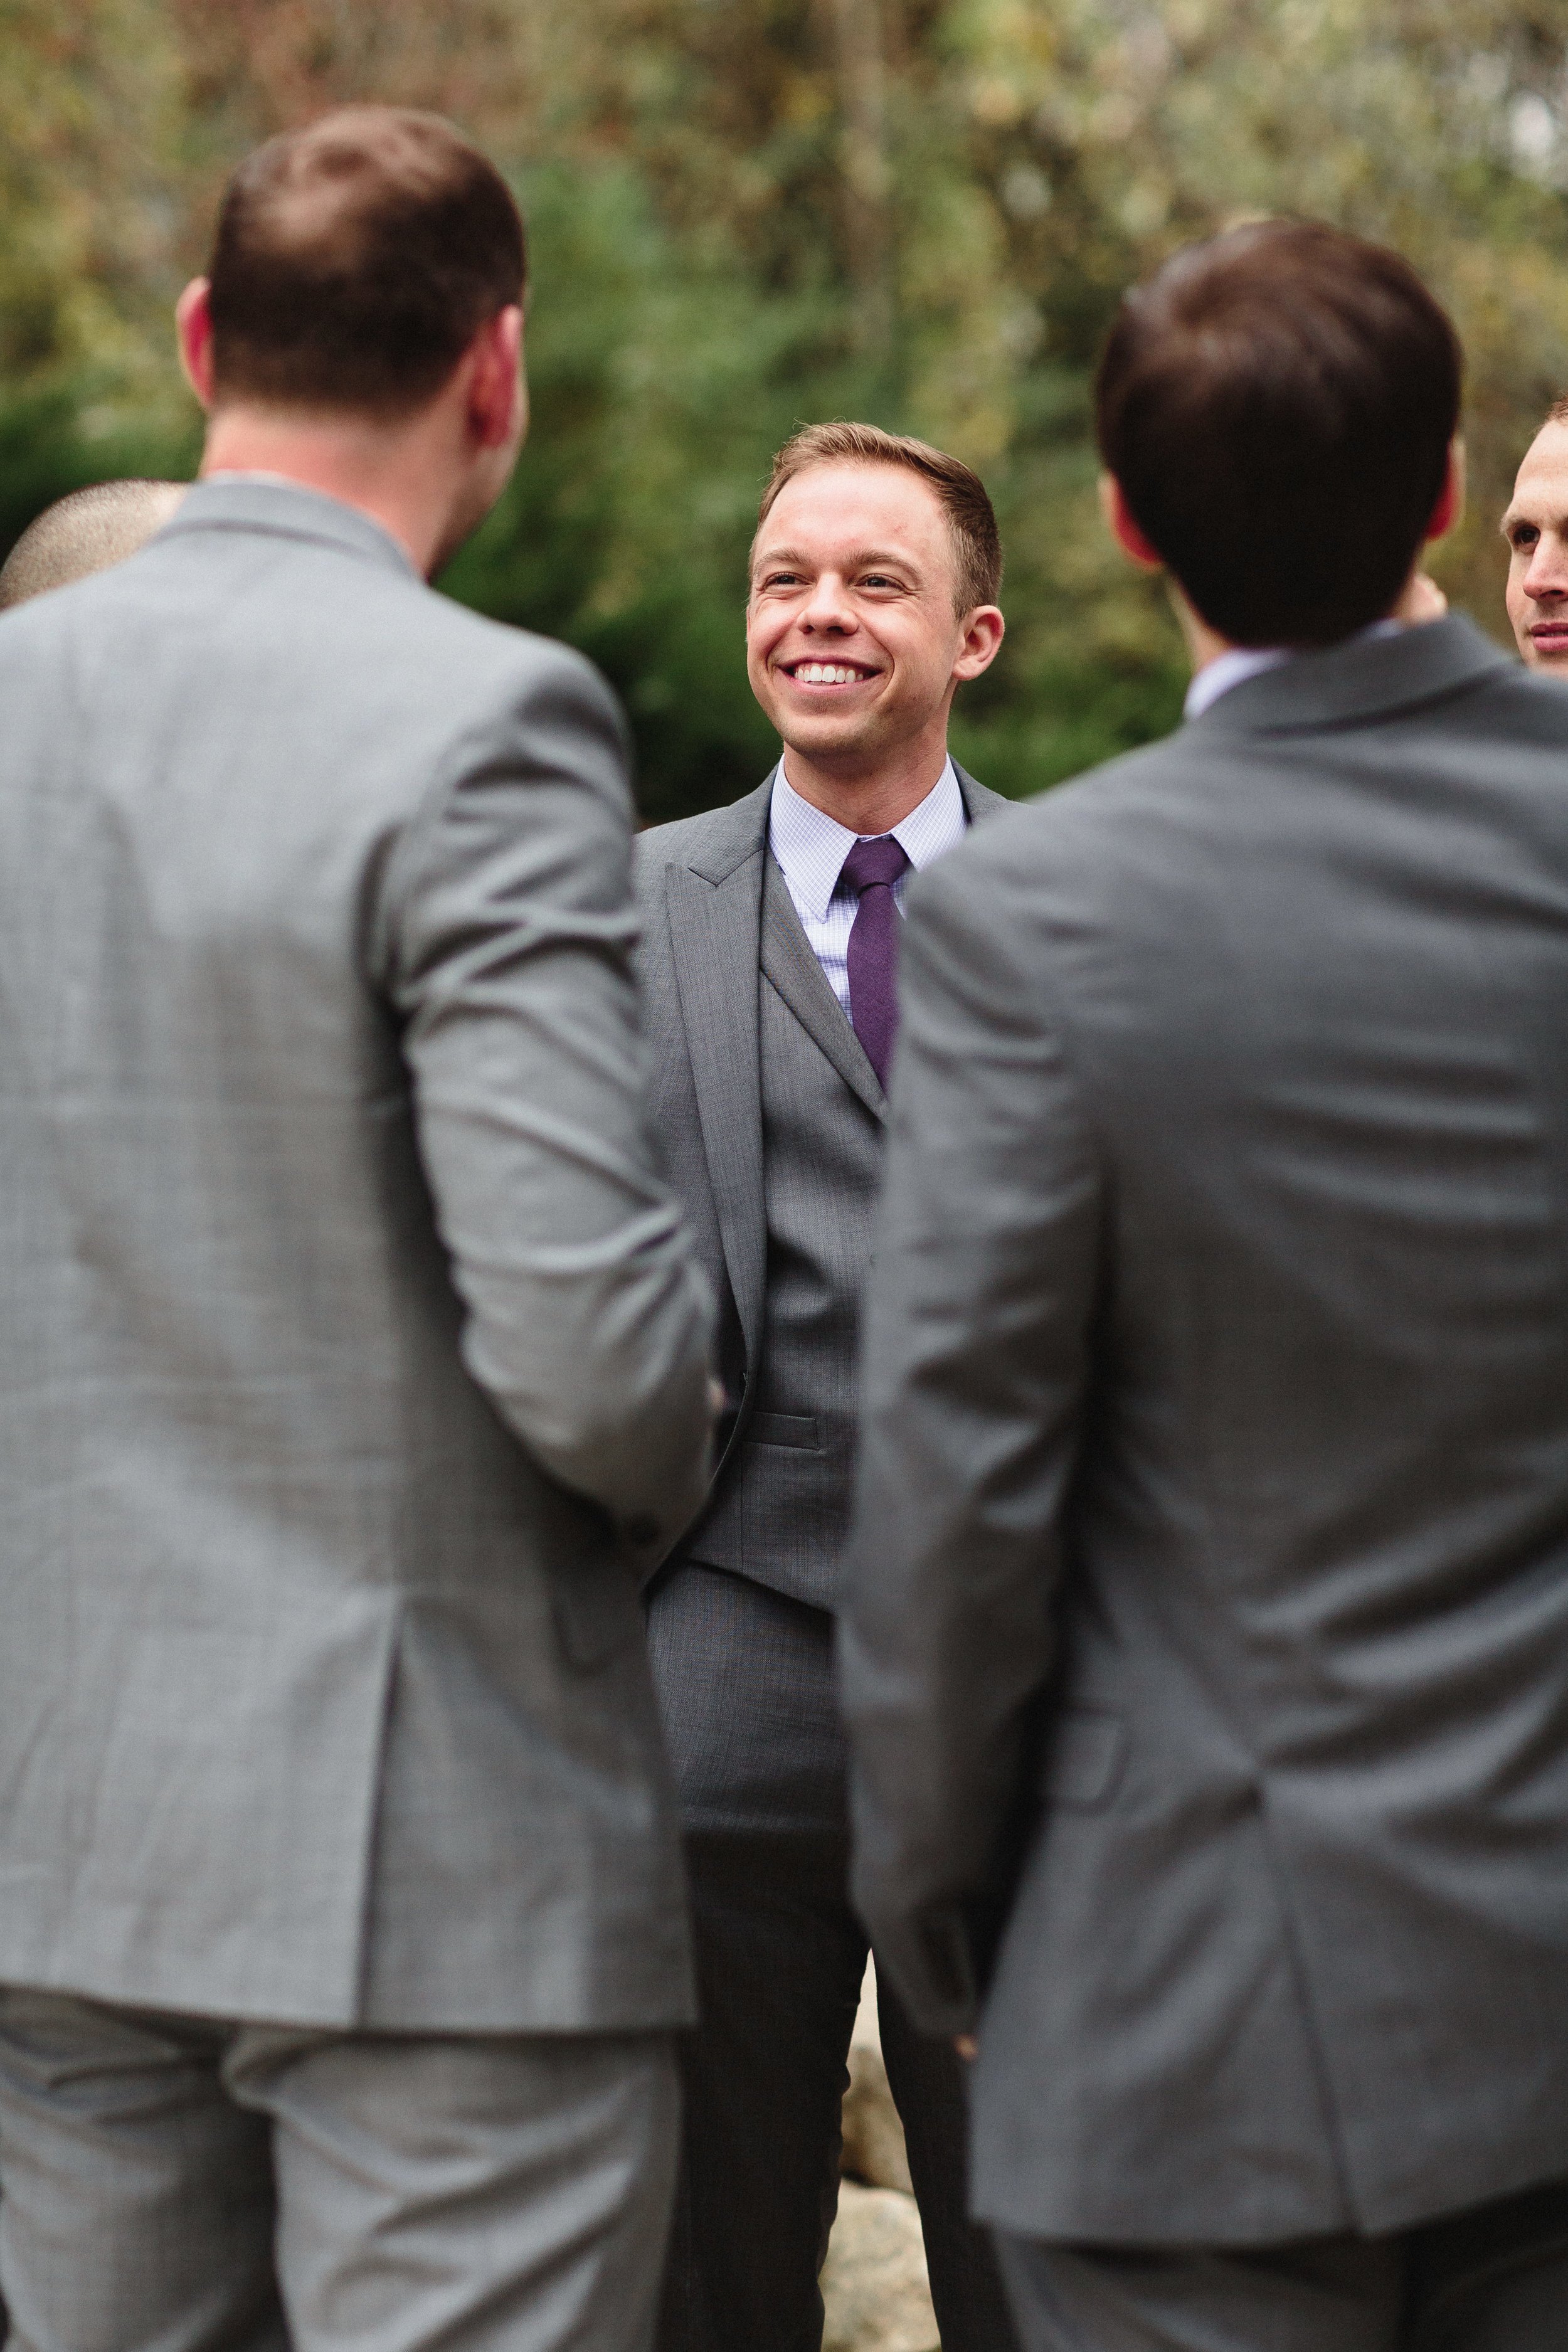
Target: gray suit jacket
[
  {"x": 355, "y": 1355},
  {"x": 716, "y": 914},
  {"x": 1208, "y": 1609}
]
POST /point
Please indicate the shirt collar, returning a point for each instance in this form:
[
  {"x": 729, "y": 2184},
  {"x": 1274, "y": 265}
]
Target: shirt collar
[
  {"x": 1242, "y": 662},
  {"x": 810, "y": 847}
]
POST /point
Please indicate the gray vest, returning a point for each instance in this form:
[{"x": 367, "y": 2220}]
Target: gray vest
[{"x": 782, "y": 1510}]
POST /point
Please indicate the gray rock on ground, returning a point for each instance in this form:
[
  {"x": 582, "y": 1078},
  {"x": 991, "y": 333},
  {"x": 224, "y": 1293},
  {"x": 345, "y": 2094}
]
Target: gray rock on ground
[
  {"x": 874, "y": 2280},
  {"x": 874, "y": 2149},
  {"x": 874, "y": 2284}
]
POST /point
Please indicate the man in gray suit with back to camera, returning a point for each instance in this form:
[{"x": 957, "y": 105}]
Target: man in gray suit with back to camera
[
  {"x": 355, "y": 1364},
  {"x": 1207, "y": 1645},
  {"x": 767, "y": 965}
]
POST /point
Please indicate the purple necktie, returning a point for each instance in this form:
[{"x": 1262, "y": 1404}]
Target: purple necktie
[{"x": 872, "y": 869}]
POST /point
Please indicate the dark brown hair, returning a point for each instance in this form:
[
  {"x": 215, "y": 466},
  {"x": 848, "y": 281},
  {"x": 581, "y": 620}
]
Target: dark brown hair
[
  {"x": 356, "y": 260},
  {"x": 1276, "y": 405},
  {"x": 971, "y": 517}
]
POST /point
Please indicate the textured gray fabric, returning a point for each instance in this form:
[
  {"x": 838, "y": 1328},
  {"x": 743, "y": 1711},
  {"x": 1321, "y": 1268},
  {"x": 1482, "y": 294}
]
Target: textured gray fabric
[
  {"x": 784, "y": 1501},
  {"x": 1494, "y": 2280},
  {"x": 760, "y": 1758},
  {"x": 1208, "y": 1614},
  {"x": 177, "y": 2184},
  {"x": 780, "y": 1959},
  {"x": 325, "y": 1182},
  {"x": 754, "y": 1737},
  {"x": 769, "y": 1118}
]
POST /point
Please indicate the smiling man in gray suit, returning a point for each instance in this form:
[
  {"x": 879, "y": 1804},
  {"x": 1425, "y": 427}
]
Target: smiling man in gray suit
[
  {"x": 771, "y": 932},
  {"x": 356, "y": 1363},
  {"x": 1207, "y": 1641}
]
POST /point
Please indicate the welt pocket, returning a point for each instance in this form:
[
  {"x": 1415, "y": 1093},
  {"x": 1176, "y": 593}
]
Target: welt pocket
[
  {"x": 797, "y": 1429},
  {"x": 1086, "y": 1752}
]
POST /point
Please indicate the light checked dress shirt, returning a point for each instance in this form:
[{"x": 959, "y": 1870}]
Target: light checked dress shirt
[{"x": 809, "y": 848}]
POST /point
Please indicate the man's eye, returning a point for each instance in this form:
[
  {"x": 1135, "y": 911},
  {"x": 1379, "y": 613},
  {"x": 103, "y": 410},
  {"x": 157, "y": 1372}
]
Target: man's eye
[
  {"x": 782, "y": 579},
  {"x": 1523, "y": 535},
  {"x": 877, "y": 579}
]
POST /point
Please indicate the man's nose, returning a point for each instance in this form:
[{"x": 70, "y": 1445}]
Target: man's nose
[
  {"x": 828, "y": 606},
  {"x": 1547, "y": 574}
]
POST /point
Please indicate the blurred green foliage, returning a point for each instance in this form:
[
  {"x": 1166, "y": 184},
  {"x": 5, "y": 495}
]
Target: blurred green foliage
[{"x": 745, "y": 214}]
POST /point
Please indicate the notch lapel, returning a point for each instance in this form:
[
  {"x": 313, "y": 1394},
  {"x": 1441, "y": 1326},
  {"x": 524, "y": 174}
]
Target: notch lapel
[
  {"x": 979, "y": 801},
  {"x": 731, "y": 916},
  {"x": 714, "y": 906},
  {"x": 788, "y": 962}
]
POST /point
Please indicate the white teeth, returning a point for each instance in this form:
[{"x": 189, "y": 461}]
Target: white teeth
[{"x": 824, "y": 674}]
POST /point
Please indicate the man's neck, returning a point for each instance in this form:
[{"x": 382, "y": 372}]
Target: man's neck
[
  {"x": 1418, "y": 601},
  {"x": 872, "y": 802},
  {"x": 1204, "y": 645},
  {"x": 373, "y": 467}
]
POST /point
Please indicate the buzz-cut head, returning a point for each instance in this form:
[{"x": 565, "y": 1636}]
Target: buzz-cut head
[{"x": 84, "y": 533}]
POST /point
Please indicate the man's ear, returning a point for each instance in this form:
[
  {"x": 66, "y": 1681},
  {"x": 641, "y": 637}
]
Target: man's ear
[
  {"x": 1450, "y": 510},
  {"x": 982, "y": 632},
  {"x": 194, "y": 329},
  {"x": 1123, "y": 528},
  {"x": 498, "y": 398}
]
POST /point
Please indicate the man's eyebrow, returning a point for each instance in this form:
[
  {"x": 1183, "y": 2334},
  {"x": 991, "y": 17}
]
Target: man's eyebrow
[
  {"x": 1514, "y": 514},
  {"x": 862, "y": 559}
]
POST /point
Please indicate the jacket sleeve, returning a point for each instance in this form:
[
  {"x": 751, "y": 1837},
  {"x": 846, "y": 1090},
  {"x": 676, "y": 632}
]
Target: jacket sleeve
[
  {"x": 973, "y": 1371},
  {"x": 508, "y": 937}
]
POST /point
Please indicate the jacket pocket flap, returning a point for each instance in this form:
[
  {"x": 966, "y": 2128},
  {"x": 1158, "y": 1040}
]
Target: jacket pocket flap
[{"x": 798, "y": 1429}]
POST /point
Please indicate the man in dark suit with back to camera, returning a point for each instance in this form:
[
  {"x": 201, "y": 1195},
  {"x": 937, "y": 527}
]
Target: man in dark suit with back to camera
[
  {"x": 771, "y": 929},
  {"x": 356, "y": 1363},
  {"x": 1207, "y": 1644}
]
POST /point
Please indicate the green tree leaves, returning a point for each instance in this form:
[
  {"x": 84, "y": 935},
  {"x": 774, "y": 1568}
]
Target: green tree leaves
[{"x": 749, "y": 213}]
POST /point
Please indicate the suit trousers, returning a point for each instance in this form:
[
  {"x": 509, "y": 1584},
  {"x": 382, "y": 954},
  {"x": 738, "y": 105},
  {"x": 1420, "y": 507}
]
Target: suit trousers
[
  {"x": 744, "y": 1678},
  {"x": 1494, "y": 2279},
  {"x": 173, "y": 2184}
]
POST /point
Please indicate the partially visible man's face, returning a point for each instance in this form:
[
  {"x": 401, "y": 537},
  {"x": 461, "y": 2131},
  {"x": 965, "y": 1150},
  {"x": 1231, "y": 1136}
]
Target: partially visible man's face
[
  {"x": 1536, "y": 530},
  {"x": 853, "y": 643}
]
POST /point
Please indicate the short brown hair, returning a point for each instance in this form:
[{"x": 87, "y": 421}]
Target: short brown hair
[
  {"x": 356, "y": 260},
  {"x": 1277, "y": 405},
  {"x": 971, "y": 517}
]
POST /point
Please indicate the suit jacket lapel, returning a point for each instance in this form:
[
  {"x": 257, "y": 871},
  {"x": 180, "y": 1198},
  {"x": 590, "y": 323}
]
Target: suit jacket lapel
[
  {"x": 714, "y": 905},
  {"x": 789, "y": 963},
  {"x": 979, "y": 801},
  {"x": 729, "y": 915}
]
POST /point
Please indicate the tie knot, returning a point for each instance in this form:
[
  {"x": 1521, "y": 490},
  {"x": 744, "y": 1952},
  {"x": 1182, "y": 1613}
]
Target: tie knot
[{"x": 882, "y": 859}]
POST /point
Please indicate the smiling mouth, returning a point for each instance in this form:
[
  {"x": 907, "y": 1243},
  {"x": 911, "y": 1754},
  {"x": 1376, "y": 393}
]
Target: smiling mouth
[{"x": 821, "y": 673}]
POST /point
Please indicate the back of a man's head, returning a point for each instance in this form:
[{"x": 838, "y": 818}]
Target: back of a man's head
[
  {"x": 1276, "y": 405},
  {"x": 86, "y": 532},
  {"x": 356, "y": 261}
]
